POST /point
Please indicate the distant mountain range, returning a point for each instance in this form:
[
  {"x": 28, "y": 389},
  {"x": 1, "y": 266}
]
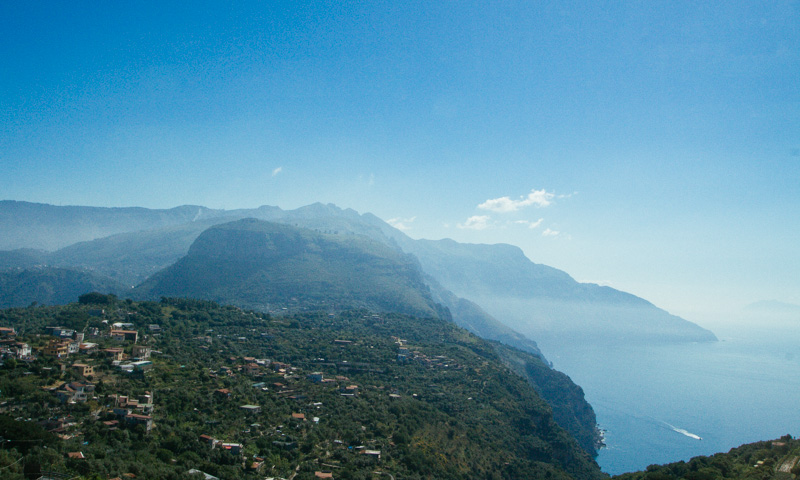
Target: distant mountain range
[
  {"x": 545, "y": 303},
  {"x": 50, "y": 227},
  {"x": 488, "y": 288}
]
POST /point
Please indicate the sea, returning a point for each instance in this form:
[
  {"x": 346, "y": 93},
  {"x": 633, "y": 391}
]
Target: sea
[{"x": 666, "y": 403}]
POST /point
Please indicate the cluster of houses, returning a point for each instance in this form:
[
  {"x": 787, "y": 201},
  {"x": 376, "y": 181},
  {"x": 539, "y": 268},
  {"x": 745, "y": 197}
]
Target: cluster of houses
[
  {"x": 11, "y": 348},
  {"x": 405, "y": 355},
  {"x": 127, "y": 410},
  {"x": 66, "y": 342},
  {"x": 75, "y": 392},
  {"x": 133, "y": 411},
  {"x": 257, "y": 463},
  {"x": 319, "y": 377},
  {"x": 254, "y": 367}
]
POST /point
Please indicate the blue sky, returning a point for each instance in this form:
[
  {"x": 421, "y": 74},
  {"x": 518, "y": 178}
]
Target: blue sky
[{"x": 650, "y": 146}]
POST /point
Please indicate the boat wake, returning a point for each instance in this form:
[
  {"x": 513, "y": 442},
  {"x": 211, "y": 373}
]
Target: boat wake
[
  {"x": 683, "y": 432},
  {"x": 650, "y": 419},
  {"x": 675, "y": 429}
]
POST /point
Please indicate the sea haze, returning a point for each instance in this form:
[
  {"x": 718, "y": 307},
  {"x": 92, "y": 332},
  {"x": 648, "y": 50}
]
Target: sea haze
[{"x": 660, "y": 404}]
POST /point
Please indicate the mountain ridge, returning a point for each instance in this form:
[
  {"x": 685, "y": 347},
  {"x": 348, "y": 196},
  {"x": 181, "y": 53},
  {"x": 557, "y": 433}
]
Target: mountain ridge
[
  {"x": 537, "y": 300},
  {"x": 132, "y": 257},
  {"x": 275, "y": 263}
]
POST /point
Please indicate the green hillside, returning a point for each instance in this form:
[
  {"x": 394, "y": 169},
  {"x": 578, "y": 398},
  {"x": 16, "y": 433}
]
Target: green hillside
[
  {"x": 268, "y": 266},
  {"x": 770, "y": 460},
  {"x": 50, "y": 286},
  {"x": 21, "y": 258},
  {"x": 132, "y": 257},
  {"x": 570, "y": 408},
  {"x": 352, "y": 395}
]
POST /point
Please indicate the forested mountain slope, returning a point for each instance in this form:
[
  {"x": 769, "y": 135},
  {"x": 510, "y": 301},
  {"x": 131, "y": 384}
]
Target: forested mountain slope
[
  {"x": 51, "y": 286},
  {"x": 263, "y": 265},
  {"x": 349, "y": 394}
]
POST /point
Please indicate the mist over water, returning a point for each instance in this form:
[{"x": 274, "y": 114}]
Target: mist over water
[{"x": 661, "y": 404}]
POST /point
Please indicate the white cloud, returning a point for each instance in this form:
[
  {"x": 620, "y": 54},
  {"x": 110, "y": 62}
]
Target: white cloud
[
  {"x": 476, "y": 222},
  {"x": 538, "y": 198},
  {"x": 529, "y": 223},
  {"x": 401, "y": 224},
  {"x": 368, "y": 179},
  {"x": 550, "y": 233},
  {"x": 277, "y": 171}
]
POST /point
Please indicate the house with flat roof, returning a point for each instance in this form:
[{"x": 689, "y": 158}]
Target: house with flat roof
[
  {"x": 136, "y": 419},
  {"x": 141, "y": 352},
  {"x": 75, "y": 392},
  {"x": 87, "y": 347},
  {"x": 234, "y": 448},
  {"x": 116, "y": 354},
  {"x": 83, "y": 369},
  {"x": 125, "y": 335},
  {"x": 56, "y": 348}
]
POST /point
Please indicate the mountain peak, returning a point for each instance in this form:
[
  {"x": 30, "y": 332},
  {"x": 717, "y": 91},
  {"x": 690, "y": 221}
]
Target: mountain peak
[
  {"x": 319, "y": 208},
  {"x": 259, "y": 264}
]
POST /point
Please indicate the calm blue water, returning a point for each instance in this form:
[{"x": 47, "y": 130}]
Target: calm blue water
[{"x": 654, "y": 402}]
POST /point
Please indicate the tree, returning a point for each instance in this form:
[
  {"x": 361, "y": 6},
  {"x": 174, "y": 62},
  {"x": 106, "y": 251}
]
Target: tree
[{"x": 96, "y": 298}]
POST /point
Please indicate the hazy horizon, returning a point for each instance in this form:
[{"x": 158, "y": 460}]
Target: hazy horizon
[{"x": 653, "y": 148}]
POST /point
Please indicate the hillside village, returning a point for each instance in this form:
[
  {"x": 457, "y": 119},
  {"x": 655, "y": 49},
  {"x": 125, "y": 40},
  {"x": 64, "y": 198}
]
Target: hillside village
[
  {"x": 244, "y": 396},
  {"x": 77, "y": 357}
]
